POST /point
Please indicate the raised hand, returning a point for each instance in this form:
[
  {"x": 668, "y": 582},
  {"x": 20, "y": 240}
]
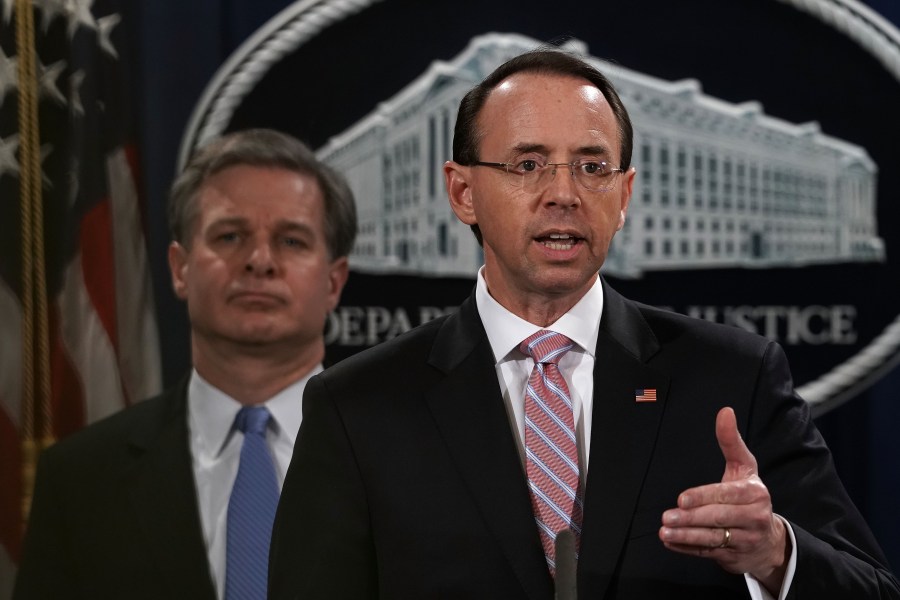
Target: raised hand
[{"x": 731, "y": 522}]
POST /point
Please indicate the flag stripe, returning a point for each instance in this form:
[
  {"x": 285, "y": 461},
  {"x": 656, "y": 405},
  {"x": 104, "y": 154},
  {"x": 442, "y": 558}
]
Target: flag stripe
[
  {"x": 10, "y": 355},
  {"x": 66, "y": 389},
  {"x": 11, "y": 476},
  {"x": 138, "y": 338},
  {"x": 97, "y": 264},
  {"x": 88, "y": 345}
]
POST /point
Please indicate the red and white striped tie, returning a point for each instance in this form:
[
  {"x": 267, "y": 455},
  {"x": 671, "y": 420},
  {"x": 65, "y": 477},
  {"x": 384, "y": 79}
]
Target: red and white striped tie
[{"x": 550, "y": 447}]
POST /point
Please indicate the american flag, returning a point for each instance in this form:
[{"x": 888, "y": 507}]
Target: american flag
[
  {"x": 78, "y": 338},
  {"x": 645, "y": 395}
]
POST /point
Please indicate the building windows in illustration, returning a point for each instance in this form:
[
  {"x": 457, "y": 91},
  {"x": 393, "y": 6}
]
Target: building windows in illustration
[{"x": 698, "y": 158}]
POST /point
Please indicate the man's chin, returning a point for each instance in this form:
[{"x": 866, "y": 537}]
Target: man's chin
[
  {"x": 563, "y": 281},
  {"x": 260, "y": 335}
]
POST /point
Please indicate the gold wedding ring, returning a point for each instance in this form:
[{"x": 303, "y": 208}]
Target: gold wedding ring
[{"x": 726, "y": 538}]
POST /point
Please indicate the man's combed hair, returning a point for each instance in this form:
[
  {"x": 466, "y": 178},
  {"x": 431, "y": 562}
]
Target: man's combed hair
[
  {"x": 263, "y": 148},
  {"x": 466, "y": 136}
]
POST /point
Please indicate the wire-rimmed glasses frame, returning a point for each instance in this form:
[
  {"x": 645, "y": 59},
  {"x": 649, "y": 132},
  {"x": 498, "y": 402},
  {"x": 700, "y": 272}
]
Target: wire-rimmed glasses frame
[{"x": 600, "y": 180}]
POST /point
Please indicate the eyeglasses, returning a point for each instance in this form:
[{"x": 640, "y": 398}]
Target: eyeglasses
[{"x": 532, "y": 174}]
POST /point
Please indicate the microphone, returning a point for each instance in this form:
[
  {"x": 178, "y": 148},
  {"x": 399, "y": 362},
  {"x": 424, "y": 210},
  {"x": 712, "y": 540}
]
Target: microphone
[{"x": 566, "y": 566}]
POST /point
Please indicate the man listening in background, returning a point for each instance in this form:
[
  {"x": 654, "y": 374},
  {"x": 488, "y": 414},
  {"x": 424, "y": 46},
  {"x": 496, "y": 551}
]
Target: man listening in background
[{"x": 174, "y": 497}]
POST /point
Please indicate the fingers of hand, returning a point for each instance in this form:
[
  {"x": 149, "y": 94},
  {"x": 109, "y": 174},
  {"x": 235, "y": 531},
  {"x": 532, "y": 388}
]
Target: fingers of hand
[
  {"x": 750, "y": 490},
  {"x": 703, "y": 513},
  {"x": 753, "y": 551},
  {"x": 701, "y": 540}
]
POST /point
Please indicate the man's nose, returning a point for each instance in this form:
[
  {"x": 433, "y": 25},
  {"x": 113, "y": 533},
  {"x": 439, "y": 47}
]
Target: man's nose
[
  {"x": 260, "y": 260},
  {"x": 562, "y": 190}
]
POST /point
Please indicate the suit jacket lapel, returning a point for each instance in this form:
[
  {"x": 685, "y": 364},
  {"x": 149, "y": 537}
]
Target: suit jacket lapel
[
  {"x": 163, "y": 496},
  {"x": 623, "y": 435},
  {"x": 470, "y": 413}
]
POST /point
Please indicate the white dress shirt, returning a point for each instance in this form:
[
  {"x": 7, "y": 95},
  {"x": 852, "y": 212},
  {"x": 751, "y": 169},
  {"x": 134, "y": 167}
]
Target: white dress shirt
[
  {"x": 216, "y": 451},
  {"x": 505, "y": 331},
  {"x": 581, "y": 324}
]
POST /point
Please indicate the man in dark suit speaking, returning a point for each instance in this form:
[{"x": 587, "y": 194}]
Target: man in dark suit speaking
[
  {"x": 672, "y": 453},
  {"x": 174, "y": 497}
]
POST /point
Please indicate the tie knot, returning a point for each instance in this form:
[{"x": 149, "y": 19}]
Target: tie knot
[
  {"x": 252, "y": 419},
  {"x": 546, "y": 346}
]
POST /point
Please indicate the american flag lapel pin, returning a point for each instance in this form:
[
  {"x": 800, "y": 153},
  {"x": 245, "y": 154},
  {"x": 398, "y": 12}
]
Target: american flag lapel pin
[{"x": 645, "y": 395}]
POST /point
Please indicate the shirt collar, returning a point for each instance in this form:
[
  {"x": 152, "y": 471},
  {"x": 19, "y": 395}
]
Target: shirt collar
[
  {"x": 212, "y": 411},
  {"x": 505, "y": 330}
]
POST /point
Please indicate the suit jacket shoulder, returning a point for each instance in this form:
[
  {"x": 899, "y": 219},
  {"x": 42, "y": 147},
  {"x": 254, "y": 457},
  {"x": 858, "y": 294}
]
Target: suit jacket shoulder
[
  {"x": 90, "y": 446},
  {"x": 114, "y": 512}
]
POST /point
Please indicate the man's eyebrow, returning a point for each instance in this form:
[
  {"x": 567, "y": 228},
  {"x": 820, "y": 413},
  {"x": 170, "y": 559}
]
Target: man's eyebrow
[
  {"x": 281, "y": 225},
  {"x": 228, "y": 222},
  {"x": 295, "y": 226},
  {"x": 592, "y": 150},
  {"x": 525, "y": 148}
]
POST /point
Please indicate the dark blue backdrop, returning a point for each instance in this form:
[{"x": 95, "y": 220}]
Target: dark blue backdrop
[{"x": 180, "y": 47}]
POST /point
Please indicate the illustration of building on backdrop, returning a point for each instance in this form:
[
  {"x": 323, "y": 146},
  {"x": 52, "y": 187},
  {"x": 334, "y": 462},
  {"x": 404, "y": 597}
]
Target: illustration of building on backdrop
[{"x": 719, "y": 185}]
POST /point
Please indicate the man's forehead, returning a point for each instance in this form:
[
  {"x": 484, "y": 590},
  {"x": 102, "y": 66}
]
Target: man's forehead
[
  {"x": 301, "y": 201},
  {"x": 243, "y": 181},
  {"x": 528, "y": 82},
  {"x": 526, "y": 107}
]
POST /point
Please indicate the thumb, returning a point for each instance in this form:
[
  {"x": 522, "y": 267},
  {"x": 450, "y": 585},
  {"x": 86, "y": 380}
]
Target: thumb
[{"x": 739, "y": 461}]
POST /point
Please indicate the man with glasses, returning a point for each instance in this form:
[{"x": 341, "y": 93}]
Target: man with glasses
[{"x": 552, "y": 426}]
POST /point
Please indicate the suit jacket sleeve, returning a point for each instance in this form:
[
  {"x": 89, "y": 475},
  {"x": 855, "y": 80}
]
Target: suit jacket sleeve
[
  {"x": 323, "y": 479},
  {"x": 837, "y": 556}
]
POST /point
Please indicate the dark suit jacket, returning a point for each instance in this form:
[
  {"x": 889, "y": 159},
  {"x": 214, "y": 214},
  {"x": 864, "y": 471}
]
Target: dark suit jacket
[
  {"x": 115, "y": 513},
  {"x": 406, "y": 481}
]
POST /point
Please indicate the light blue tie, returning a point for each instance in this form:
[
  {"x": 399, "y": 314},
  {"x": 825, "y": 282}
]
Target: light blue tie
[{"x": 251, "y": 510}]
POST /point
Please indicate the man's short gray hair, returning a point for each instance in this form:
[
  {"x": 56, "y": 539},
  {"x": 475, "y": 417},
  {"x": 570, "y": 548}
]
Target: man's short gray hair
[{"x": 263, "y": 148}]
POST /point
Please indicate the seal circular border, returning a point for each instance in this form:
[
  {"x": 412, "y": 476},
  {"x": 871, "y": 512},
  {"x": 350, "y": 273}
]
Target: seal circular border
[{"x": 302, "y": 20}]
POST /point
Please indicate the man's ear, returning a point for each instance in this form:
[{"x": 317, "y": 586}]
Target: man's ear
[
  {"x": 625, "y": 195},
  {"x": 178, "y": 267},
  {"x": 456, "y": 178},
  {"x": 337, "y": 278}
]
